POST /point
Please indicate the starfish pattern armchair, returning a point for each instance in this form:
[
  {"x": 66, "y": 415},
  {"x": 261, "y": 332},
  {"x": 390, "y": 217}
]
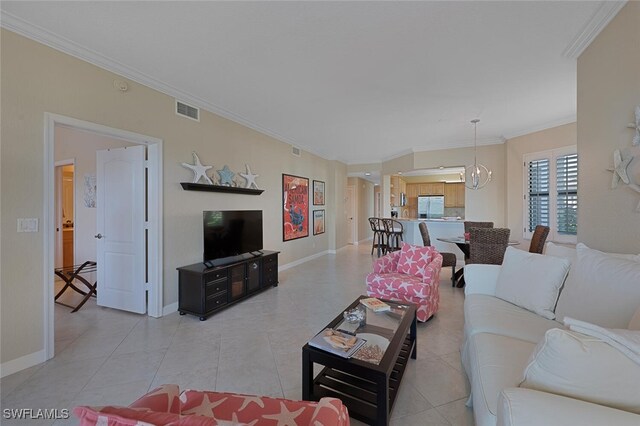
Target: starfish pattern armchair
[
  {"x": 409, "y": 275},
  {"x": 166, "y": 405}
]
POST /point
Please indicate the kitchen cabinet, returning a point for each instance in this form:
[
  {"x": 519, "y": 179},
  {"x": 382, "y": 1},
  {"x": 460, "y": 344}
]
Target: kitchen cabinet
[
  {"x": 454, "y": 194},
  {"x": 432, "y": 188},
  {"x": 398, "y": 185}
]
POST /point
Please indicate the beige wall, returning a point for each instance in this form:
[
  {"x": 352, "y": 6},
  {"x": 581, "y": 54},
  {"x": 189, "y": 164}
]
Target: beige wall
[
  {"x": 432, "y": 178},
  {"x": 483, "y": 204},
  {"x": 37, "y": 79},
  {"x": 82, "y": 146},
  {"x": 608, "y": 91},
  {"x": 364, "y": 191},
  {"x": 516, "y": 148}
]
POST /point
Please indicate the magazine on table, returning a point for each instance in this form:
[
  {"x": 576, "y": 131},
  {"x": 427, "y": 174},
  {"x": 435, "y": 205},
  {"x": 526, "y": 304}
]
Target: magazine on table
[
  {"x": 375, "y": 305},
  {"x": 337, "y": 342}
]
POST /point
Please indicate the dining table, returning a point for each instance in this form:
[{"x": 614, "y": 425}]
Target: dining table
[{"x": 463, "y": 245}]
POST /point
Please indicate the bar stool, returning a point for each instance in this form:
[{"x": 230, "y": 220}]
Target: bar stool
[
  {"x": 378, "y": 235},
  {"x": 393, "y": 230}
]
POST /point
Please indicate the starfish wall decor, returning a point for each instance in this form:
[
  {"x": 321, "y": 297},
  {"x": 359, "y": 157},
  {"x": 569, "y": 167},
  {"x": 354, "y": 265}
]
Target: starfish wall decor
[
  {"x": 621, "y": 161},
  {"x": 636, "y": 137},
  {"x": 250, "y": 178},
  {"x": 199, "y": 171}
]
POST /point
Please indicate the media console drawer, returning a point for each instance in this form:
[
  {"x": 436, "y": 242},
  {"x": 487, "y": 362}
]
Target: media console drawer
[{"x": 203, "y": 291}]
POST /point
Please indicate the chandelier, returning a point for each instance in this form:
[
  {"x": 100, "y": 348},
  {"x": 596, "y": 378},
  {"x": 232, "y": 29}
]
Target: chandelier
[{"x": 477, "y": 175}]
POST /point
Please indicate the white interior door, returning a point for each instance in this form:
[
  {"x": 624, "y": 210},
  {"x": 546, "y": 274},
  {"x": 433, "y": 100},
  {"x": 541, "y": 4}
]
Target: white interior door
[
  {"x": 351, "y": 212},
  {"x": 121, "y": 256}
]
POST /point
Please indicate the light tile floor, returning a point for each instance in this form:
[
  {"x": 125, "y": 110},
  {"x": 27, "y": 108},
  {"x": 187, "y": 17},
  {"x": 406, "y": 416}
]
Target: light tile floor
[{"x": 107, "y": 357}]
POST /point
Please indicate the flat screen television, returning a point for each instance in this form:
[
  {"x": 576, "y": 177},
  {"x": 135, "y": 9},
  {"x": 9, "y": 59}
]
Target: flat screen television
[{"x": 231, "y": 233}]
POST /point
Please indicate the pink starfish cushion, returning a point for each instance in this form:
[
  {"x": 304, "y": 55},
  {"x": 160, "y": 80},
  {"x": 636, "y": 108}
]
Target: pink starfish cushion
[{"x": 414, "y": 259}]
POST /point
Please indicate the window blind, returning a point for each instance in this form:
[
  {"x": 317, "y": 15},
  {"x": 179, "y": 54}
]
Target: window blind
[
  {"x": 538, "y": 193},
  {"x": 567, "y": 194}
]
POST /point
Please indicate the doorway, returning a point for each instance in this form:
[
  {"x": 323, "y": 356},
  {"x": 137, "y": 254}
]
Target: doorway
[
  {"x": 64, "y": 212},
  {"x": 153, "y": 223}
]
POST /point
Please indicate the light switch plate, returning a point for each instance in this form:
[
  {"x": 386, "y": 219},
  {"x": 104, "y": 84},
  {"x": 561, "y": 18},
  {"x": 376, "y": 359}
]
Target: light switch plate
[{"x": 28, "y": 224}]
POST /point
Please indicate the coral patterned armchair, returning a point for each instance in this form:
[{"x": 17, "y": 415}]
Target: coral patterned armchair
[{"x": 409, "y": 275}]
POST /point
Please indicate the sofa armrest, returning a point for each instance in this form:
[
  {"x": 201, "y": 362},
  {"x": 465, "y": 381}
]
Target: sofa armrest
[
  {"x": 481, "y": 279},
  {"x": 527, "y": 407},
  {"x": 387, "y": 263},
  {"x": 330, "y": 411}
]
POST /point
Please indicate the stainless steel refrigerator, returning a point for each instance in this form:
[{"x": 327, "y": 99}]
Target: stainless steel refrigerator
[{"x": 430, "y": 206}]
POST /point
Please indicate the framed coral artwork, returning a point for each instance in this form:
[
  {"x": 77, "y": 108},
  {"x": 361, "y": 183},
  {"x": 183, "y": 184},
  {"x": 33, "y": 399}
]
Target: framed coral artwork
[
  {"x": 318, "y": 222},
  {"x": 318, "y": 193},
  {"x": 295, "y": 207}
]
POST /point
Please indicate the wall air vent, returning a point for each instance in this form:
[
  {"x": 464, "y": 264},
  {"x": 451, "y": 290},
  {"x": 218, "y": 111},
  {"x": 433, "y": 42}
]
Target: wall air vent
[
  {"x": 296, "y": 151},
  {"x": 187, "y": 111}
]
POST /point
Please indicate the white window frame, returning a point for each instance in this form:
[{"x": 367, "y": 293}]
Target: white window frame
[{"x": 551, "y": 155}]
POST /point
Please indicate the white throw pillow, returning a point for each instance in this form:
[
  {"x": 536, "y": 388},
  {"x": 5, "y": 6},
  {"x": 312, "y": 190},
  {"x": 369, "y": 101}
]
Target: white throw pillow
[
  {"x": 602, "y": 288},
  {"x": 582, "y": 367},
  {"x": 634, "y": 324},
  {"x": 556, "y": 250},
  {"x": 531, "y": 281}
]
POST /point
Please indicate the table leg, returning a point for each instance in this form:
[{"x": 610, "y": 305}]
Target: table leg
[
  {"x": 414, "y": 336},
  {"x": 307, "y": 376},
  {"x": 382, "y": 401}
]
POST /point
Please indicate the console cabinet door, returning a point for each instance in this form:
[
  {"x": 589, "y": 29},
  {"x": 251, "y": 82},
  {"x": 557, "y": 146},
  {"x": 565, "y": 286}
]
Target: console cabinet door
[
  {"x": 237, "y": 281},
  {"x": 253, "y": 276}
]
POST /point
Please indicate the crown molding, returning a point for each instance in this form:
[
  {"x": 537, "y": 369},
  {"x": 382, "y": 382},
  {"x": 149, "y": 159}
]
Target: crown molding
[
  {"x": 54, "y": 41},
  {"x": 543, "y": 126},
  {"x": 600, "y": 19}
]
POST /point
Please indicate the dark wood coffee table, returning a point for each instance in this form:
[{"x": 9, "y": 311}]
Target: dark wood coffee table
[{"x": 369, "y": 390}]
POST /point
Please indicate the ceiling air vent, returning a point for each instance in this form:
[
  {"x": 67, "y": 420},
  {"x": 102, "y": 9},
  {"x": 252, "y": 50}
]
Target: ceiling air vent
[
  {"x": 295, "y": 151},
  {"x": 187, "y": 111}
]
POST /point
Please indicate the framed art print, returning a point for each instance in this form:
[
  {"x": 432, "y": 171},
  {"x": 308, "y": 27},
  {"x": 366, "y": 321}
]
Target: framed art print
[
  {"x": 295, "y": 207},
  {"x": 318, "y": 222},
  {"x": 318, "y": 193}
]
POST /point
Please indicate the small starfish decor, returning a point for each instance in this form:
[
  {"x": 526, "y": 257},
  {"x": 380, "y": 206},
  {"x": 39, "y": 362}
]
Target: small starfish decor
[
  {"x": 199, "y": 171},
  {"x": 620, "y": 164},
  {"x": 226, "y": 176},
  {"x": 250, "y": 178}
]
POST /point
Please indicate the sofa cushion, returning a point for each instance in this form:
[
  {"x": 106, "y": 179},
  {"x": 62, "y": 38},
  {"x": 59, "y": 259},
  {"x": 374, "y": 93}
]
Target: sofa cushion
[
  {"x": 487, "y": 314},
  {"x": 526, "y": 407},
  {"x": 601, "y": 288},
  {"x": 583, "y": 367},
  {"x": 162, "y": 399},
  {"x": 414, "y": 260},
  {"x": 531, "y": 281},
  {"x": 497, "y": 363},
  {"x": 125, "y": 416}
]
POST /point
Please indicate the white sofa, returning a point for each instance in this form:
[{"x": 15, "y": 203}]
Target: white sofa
[{"x": 500, "y": 338}]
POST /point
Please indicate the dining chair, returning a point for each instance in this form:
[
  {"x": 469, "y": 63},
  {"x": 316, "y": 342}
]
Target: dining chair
[
  {"x": 448, "y": 259},
  {"x": 379, "y": 242},
  {"x": 469, "y": 224},
  {"x": 393, "y": 230},
  {"x": 538, "y": 239},
  {"x": 487, "y": 245}
]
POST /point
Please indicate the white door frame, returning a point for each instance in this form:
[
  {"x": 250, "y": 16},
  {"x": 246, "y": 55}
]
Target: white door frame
[{"x": 154, "y": 191}]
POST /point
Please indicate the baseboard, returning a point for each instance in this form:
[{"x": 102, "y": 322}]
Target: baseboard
[
  {"x": 365, "y": 240},
  {"x": 340, "y": 249},
  {"x": 301, "y": 261},
  {"x": 169, "y": 309},
  {"x": 22, "y": 363}
]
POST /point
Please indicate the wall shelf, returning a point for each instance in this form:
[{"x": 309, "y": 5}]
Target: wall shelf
[{"x": 219, "y": 188}]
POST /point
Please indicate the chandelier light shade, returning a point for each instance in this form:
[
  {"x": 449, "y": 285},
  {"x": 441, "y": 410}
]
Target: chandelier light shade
[{"x": 475, "y": 176}]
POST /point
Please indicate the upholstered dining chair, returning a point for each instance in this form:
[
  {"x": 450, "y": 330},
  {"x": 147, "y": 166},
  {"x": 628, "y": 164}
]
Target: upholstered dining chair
[
  {"x": 393, "y": 230},
  {"x": 448, "y": 259},
  {"x": 540, "y": 235},
  {"x": 487, "y": 245},
  {"x": 379, "y": 241}
]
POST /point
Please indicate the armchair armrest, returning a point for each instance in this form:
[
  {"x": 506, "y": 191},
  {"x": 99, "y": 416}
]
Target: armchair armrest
[
  {"x": 432, "y": 273},
  {"x": 527, "y": 407},
  {"x": 387, "y": 263},
  {"x": 481, "y": 278}
]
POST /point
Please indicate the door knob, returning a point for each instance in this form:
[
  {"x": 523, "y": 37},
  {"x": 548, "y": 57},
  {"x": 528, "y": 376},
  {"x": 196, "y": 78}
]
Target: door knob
[{"x": 98, "y": 236}]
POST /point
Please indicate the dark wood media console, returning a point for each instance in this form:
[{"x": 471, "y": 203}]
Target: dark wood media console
[{"x": 203, "y": 290}]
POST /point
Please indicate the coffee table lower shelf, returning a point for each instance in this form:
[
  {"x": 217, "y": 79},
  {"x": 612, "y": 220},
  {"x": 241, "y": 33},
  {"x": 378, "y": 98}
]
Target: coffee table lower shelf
[{"x": 360, "y": 395}]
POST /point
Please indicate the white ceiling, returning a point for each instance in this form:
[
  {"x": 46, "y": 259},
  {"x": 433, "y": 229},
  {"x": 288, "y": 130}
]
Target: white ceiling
[{"x": 359, "y": 82}]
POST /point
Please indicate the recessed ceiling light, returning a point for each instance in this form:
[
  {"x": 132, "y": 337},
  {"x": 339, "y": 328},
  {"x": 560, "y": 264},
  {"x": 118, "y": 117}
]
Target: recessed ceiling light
[
  {"x": 399, "y": 172},
  {"x": 441, "y": 167},
  {"x": 367, "y": 174}
]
